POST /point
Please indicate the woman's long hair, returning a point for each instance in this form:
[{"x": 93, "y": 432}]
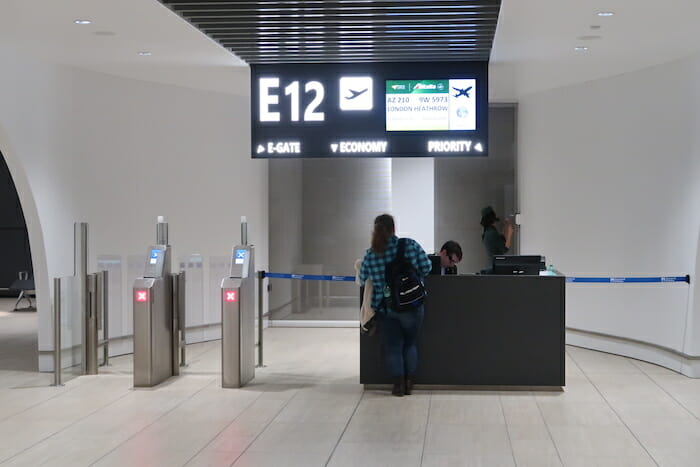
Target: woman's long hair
[
  {"x": 488, "y": 220},
  {"x": 382, "y": 232}
]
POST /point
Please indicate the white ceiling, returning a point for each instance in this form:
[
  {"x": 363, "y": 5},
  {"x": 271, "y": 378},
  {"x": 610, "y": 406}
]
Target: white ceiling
[
  {"x": 533, "y": 49},
  {"x": 181, "y": 55},
  {"x": 535, "y": 40}
]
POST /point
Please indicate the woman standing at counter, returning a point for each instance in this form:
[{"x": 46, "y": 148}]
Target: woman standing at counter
[{"x": 399, "y": 329}]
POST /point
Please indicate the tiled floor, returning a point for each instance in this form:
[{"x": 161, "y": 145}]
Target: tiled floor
[
  {"x": 306, "y": 408},
  {"x": 18, "y": 338}
]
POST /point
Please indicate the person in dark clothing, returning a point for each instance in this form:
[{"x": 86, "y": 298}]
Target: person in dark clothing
[
  {"x": 495, "y": 242},
  {"x": 399, "y": 328},
  {"x": 445, "y": 262}
]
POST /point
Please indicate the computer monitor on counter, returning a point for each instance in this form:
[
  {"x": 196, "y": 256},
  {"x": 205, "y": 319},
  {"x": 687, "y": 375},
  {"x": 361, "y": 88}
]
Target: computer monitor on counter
[{"x": 526, "y": 265}]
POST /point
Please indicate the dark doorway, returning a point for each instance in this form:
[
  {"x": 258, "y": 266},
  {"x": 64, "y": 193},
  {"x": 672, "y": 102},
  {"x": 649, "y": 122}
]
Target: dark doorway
[
  {"x": 14, "y": 240},
  {"x": 18, "y": 329}
]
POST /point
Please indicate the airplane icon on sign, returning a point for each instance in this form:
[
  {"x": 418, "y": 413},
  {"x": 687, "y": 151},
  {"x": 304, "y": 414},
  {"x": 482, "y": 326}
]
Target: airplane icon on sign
[
  {"x": 356, "y": 93},
  {"x": 462, "y": 92}
]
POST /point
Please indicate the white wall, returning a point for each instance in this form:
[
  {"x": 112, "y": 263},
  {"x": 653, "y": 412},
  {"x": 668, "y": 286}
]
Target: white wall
[
  {"x": 609, "y": 177},
  {"x": 413, "y": 199},
  {"x": 116, "y": 153}
]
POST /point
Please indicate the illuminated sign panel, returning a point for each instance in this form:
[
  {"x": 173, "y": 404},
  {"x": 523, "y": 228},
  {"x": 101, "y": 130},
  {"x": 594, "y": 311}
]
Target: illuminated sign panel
[
  {"x": 230, "y": 296},
  {"x": 369, "y": 110},
  {"x": 141, "y": 296},
  {"x": 430, "y": 105},
  {"x": 154, "y": 256},
  {"x": 240, "y": 256}
]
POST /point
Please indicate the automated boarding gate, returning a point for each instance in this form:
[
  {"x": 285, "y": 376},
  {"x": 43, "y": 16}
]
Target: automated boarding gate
[
  {"x": 158, "y": 316},
  {"x": 81, "y": 316},
  {"x": 238, "y": 319}
]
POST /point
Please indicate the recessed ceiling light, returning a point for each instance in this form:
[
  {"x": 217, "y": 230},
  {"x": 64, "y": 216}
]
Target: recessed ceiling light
[
  {"x": 82, "y": 21},
  {"x": 606, "y": 13},
  {"x": 595, "y": 26},
  {"x": 105, "y": 33},
  {"x": 145, "y": 53},
  {"x": 580, "y": 49}
]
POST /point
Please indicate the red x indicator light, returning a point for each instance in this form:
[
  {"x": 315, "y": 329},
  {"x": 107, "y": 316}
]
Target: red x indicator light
[
  {"x": 230, "y": 296},
  {"x": 141, "y": 295}
]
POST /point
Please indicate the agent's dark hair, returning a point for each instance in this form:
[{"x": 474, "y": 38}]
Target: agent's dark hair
[
  {"x": 382, "y": 232},
  {"x": 488, "y": 220},
  {"x": 452, "y": 248}
]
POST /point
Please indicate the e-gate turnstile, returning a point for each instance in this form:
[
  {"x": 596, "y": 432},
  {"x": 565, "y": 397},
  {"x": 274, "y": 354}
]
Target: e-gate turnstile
[
  {"x": 238, "y": 319},
  {"x": 158, "y": 316}
]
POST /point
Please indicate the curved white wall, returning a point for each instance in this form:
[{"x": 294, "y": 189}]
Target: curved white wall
[
  {"x": 609, "y": 176},
  {"x": 116, "y": 153}
]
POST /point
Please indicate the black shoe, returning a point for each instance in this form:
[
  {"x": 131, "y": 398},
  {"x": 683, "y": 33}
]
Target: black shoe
[
  {"x": 408, "y": 385},
  {"x": 398, "y": 389}
]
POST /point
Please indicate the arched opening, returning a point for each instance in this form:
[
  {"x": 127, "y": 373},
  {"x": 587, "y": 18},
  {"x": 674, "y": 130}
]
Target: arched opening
[{"x": 18, "y": 317}]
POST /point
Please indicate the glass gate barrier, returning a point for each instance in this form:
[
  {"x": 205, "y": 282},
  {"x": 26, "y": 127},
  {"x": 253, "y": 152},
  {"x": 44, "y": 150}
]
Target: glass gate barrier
[
  {"x": 71, "y": 332},
  {"x": 80, "y": 325}
]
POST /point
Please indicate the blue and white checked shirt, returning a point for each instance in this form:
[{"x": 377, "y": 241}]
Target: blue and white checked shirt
[{"x": 374, "y": 266}]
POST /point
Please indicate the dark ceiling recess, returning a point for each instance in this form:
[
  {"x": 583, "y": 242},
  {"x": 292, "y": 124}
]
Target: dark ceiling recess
[{"x": 346, "y": 30}]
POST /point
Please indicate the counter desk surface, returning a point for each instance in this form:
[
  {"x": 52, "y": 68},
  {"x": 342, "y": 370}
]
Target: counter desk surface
[{"x": 484, "y": 330}]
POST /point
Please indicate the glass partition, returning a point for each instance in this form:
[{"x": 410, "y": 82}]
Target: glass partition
[
  {"x": 72, "y": 331},
  {"x": 194, "y": 297},
  {"x": 308, "y": 236},
  {"x": 218, "y": 269}
]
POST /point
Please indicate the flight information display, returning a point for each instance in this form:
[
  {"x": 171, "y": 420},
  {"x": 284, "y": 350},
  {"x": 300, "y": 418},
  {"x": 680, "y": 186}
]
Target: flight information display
[
  {"x": 369, "y": 110},
  {"x": 430, "y": 105}
]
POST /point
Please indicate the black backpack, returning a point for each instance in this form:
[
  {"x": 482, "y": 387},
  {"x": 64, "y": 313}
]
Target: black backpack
[{"x": 406, "y": 286}]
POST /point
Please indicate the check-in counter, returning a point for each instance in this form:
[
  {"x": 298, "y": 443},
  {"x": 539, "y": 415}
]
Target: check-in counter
[{"x": 484, "y": 330}]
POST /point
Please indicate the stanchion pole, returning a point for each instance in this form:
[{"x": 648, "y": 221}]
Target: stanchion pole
[
  {"x": 261, "y": 278},
  {"x": 57, "y": 331}
]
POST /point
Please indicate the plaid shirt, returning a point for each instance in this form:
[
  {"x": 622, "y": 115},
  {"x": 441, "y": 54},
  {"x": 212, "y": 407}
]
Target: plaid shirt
[{"x": 374, "y": 266}]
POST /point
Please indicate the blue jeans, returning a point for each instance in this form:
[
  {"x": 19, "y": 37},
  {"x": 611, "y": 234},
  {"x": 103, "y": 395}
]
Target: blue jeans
[{"x": 400, "y": 331}]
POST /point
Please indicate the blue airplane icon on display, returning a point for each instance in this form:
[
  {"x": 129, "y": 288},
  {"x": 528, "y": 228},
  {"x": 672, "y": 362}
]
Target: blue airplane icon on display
[
  {"x": 357, "y": 93},
  {"x": 462, "y": 92}
]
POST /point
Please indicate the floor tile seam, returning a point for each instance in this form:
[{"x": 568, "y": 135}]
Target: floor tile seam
[
  {"x": 272, "y": 419},
  {"x": 68, "y": 390},
  {"x": 669, "y": 394},
  {"x": 225, "y": 428},
  {"x": 427, "y": 424},
  {"x": 505, "y": 421},
  {"x": 544, "y": 420},
  {"x": 337, "y": 443},
  {"x": 634, "y": 435},
  {"x": 152, "y": 423},
  {"x": 114, "y": 401},
  {"x": 203, "y": 352},
  {"x": 549, "y": 431}
]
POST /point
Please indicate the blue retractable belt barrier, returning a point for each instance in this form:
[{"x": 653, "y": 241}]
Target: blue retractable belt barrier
[
  {"x": 623, "y": 280},
  {"x": 608, "y": 280},
  {"x": 309, "y": 277}
]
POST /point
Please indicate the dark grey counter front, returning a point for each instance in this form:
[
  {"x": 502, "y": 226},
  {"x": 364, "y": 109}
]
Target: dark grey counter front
[{"x": 484, "y": 330}]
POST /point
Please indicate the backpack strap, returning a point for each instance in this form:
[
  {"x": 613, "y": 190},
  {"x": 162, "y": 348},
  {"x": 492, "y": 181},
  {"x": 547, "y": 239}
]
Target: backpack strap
[{"x": 401, "y": 252}]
